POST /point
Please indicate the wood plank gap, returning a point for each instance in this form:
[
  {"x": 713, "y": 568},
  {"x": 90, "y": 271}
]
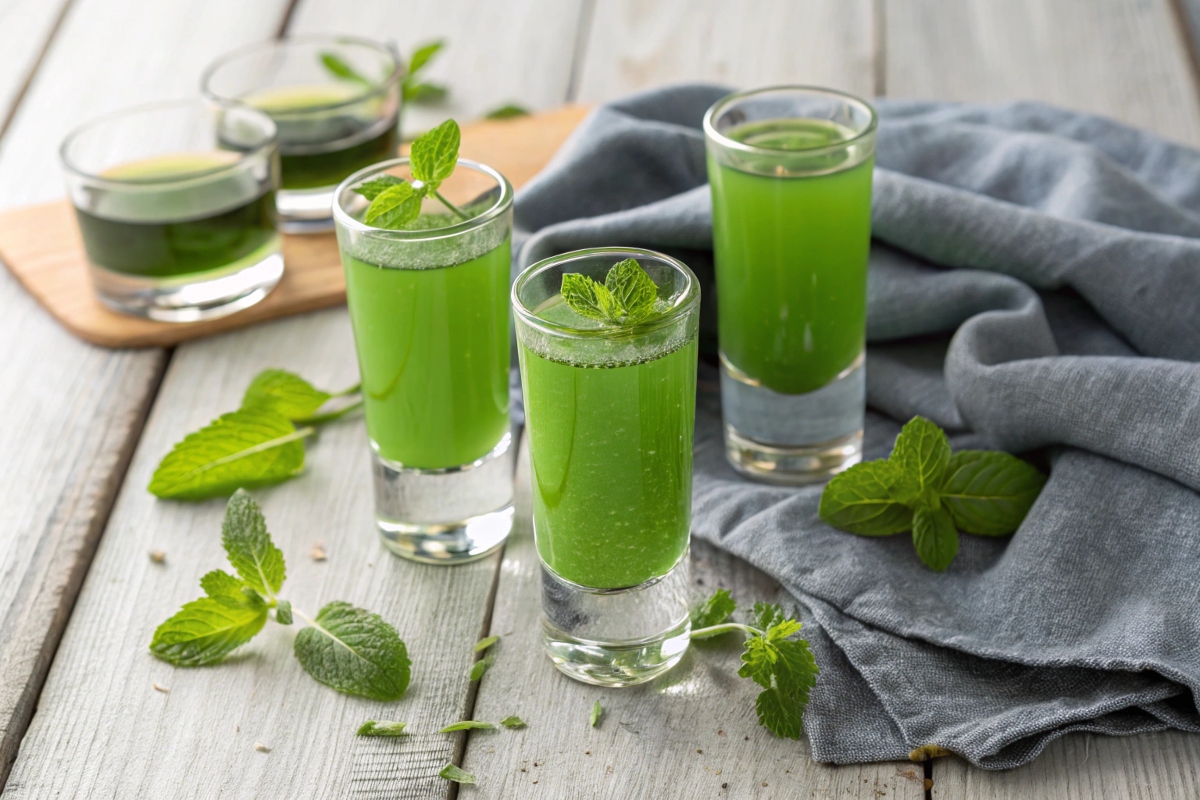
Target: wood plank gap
[
  {"x": 582, "y": 34},
  {"x": 19, "y": 97},
  {"x": 1188, "y": 30},
  {"x": 879, "y": 46}
]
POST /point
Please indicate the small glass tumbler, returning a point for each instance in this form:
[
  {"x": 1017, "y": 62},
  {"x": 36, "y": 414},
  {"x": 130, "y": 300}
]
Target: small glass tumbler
[
  {"x": 610, "y": 413},
  {"x": 336, "y": 101},
  {"x": 429, "y": 309},
  {"x": 790, "y": 169},
  {"x": 176, "y": 207}
]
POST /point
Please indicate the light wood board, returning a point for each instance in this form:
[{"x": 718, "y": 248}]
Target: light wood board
[{"x": 41, "y": 246}]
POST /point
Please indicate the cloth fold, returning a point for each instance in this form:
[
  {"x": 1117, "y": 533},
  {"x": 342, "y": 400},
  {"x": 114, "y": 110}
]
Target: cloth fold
[{"x": 1034, "y": 286}]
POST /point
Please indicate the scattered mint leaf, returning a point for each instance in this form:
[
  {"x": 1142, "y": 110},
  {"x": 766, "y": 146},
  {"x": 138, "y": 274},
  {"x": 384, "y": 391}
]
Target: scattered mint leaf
[
  {"x": 513, "y": 723},
  {"x": 627, "y": 296},
  {"x": 435, "y": 154},
  {"x": 204, "y": 631},
  {"x": 283, "y": 612},
  {"x": 922, "y": 453},
  {"x": 507, "y": 111},
  {"x": 355, "y": 652},
  {"x": 377, "y": 185},
  {"x": 453, "y": 773},
  {"x": 468, "y": 725},
  {"x": 713, "y": 611},
  {"x": 481, "y": 666},
  {"x": 285, "y": 393},
  {"x": 988, "y": 492},
  {"x": 862, "y": 500},
  {"x": 394, "y": 207},
  {"x": 249, "y": 547},
  {"x": 382, "y": 728},
  {"x": 335, "y": 66},
  {"x": 484, "y": 644},
  {"x": 935, "y": 537},
  {"x": 246, "y": 448},
  {"x": 594, "y": 717}
]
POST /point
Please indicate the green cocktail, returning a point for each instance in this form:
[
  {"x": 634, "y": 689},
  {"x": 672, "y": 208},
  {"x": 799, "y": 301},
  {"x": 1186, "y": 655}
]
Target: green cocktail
[
  {"x": 610, "y": 410},
  {"x": 790, "y": 170}
]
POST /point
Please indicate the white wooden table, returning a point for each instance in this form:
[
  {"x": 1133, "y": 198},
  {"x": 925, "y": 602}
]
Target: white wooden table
[{"x": 84, "y": 427}]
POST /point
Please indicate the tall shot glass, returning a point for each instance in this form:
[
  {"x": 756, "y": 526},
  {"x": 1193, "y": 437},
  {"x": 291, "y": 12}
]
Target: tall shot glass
[
  {"x": 610, "y": 415},
  {"x": 429, "y": 309},
  {"x": 790, "y": 170}
]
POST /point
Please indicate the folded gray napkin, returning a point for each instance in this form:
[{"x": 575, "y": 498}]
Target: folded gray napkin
[{"x": 1034, "y": 287}]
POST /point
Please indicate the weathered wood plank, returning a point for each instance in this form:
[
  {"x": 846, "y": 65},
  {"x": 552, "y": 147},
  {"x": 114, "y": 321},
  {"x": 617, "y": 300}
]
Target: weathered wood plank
[
  {"x": 518, "y": 51},
  {"x": 690, "y": 733},
  {"x": 635, "y": 44},
  {"x": 25, "y": 29},
  {"x": 103, "y": 731},
  {"x": 1126, "y": 60}
]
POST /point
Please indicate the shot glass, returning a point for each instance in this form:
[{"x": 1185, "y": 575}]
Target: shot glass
[
  {"x": 176, "y": 207},
  {"x": 790, "y": 170},
  {"x": 336, "y": 101},
  {"x": 429, "y": 309},
  {"x": 610, "y": 415}
]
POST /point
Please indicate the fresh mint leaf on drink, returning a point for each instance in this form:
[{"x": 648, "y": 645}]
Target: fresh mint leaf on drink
[
  {"x": 922, "y": 487},
  {"x": 258, "y": 445},
  {"x": 434, "y": 154},
  {"x": 627, "y": 296},
  {"x": 395, "y": 207},
  {"x": 507, "y": 111},
  {"x": 396, "y": 203},
  {"x": 781, "y": 664},
  {"x": 338, "y": 68},
  {"x": 713, "y": 611},
  {"x": 347, "y": 648},
  {"x": 382, "y": 728},
  {"x": 594, "y": 717},
  {"x": 513, "y": 723},
  {"x": 414, "y": 90},
  {"x": 453, "y": 773},
  {"x": 468, "y": 725}
]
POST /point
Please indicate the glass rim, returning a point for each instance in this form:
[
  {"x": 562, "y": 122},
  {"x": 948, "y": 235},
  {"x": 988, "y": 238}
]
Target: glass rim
[
  {"x": 688, "y": 299},
  {"x": 382, "y": 88},
  {"x": 502, "y": 204},
  {"x": 167, "y": 105},
  {"x": 711, "y": 132}
]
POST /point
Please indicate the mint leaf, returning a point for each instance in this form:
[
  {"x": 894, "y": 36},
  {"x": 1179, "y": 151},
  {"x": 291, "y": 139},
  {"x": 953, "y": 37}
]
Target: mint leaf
[
  {"x": 395, "y": 207},
  {"x": 468, "y": 725},
  {"x": 425, "y": 92},
  {"x": 633, "y": 289},
  {"x": 922, "y": 452},
  {"x": 594, "y": 717},
  {"x": 758, "y": 660},
  {"x": 285, "y": 393},
  {"x": 589, "y": 298},
  {"x": 453, "y": 773},
  {"x": 424, "y": 54},
  {"x": 484, "y": 644},
  {"x": 780, "y": 714},
  {"x": 786, "y": 670},
  {"x": 283, "y": 612},
  {"x": 507, "y": 111},
  {"x": 251, "y": 552},
  {"x": 862, "y": 500},
  {"x": 340, "y": 69},
  {"x": 204, "y": 631},
  {"x": 355, "y": 652},
  {"x": 512, "y": 723},
  {"x": 935, "y": 537},
  {"x": 988, "y": 493},
  {"x": 713, "y": 611},
  {"x": 219, "y": 583},
  {"x": 246, "y": 448},
  {"x": 382, "y": 728},
  {"x": 376, "y": 186},
  {"x": 434, "y": 154},
  {"x": 767, "y": 615},
  {"x": 481, "y": 666}
]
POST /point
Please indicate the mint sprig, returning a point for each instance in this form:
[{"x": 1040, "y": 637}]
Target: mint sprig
[
  {"x": 258, "y": 445},
  {"x": 412, "y": 89},
  {"x": 396, "y": 203},
  {"x": 923, "y": 488},
  {"x": 772, "y": 658},
  {"x": 627, "y": 296},
  {"x": 347, "y": 648}
]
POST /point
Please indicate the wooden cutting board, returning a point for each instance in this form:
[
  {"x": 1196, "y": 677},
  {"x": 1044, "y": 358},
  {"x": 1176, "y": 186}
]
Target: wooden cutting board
[{"x": 40, "y": 245}]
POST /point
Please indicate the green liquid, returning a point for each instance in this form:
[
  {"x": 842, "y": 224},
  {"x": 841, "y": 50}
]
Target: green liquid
[
  {"x": 611, "y": 452},
  {"x": 321, "y": 148},
  {"x": 433, "y": 351},
  {"x": 176, "y": 247},
  {"x": 791, "y": 261}
]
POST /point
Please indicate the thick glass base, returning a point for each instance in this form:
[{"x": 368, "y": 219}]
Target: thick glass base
[
  {"x": 305, "y": 210},
  {"x": 445, "y": 516},
  {"x": 793, "y": 438},
  {"x": 616, "y": 637},
  {"x": 192, "y": 298}
]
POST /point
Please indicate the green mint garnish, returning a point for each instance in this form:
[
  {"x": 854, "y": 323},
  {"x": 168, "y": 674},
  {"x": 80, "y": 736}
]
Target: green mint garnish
[
  {"x": 782, "y": 665},
  {"x": 594, "y": 717},
  {"x": 512, "y": 723},
  {"x": 507, "y": 111},
  {"x": 627, "y": 296},
  {"x": 468, "y": 725},
  {"x": 382, "y": 728},
  {"x": 484, "y": 644},
  {"x": 347, "y": 648},
  {"x": 338, "y": 68},
  {"x": 417, "y": 91},
  {"x": 481, "y": 666},
  {"x": 396, "y": 203},
  {"x": 453, "y": 773},
  {"x": 923, "y": 488}
]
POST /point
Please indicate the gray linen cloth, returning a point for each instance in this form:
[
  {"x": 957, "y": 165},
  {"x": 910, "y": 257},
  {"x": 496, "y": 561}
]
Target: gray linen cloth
[{"x": 1035, "y": 287}]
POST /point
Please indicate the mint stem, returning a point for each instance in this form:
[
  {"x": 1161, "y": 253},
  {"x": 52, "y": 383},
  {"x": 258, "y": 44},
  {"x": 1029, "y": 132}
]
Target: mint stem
[
  {"x": 716, "y": 630},
  {"x": 461, "y": 214},
  {"x": 330, "y": 416}
]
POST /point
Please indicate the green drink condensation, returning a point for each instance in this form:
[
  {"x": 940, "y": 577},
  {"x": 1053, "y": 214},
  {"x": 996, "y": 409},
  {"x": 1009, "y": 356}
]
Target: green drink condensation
[
  {"x": 791, "y": 254},
  {"x": 611, "y": 452}
]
